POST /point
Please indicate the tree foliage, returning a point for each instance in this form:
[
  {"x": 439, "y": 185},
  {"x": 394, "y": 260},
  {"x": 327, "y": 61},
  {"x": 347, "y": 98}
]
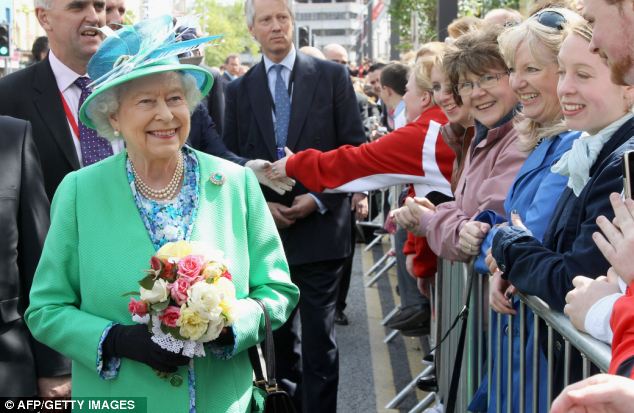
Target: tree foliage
[
  {"x": 227, "y": 20},
  {"x": 401, "y": 12}
]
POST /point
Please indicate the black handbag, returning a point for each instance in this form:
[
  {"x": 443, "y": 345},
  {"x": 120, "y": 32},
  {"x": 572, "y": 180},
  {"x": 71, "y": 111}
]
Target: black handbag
[{"x": 267, "y": 396}]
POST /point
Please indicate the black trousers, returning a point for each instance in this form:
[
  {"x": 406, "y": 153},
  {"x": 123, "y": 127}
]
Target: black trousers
[
  {"x": 306, "y": 354},
  {"x": 346, "y": 268}
]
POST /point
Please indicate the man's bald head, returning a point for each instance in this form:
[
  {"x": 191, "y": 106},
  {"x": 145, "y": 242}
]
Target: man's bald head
[{"x": 336, "y": 53}]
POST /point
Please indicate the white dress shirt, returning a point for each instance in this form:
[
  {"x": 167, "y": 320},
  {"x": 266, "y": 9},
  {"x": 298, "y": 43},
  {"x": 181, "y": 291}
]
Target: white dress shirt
[{"x": 65, "y": 78}]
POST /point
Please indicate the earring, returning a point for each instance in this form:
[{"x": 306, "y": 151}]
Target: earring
[{"x": 116, "y": 133}]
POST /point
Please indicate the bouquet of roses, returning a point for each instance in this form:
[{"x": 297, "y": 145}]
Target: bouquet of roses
[{"x": 186, "y": 298}]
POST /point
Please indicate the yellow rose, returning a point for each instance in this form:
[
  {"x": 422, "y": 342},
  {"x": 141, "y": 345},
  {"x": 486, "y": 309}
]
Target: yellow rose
[
  {"x": 228, "y": 310},
  {"x": 176, "y": 250},
  {"x": 192, "y": 325},
  {"x": 214, "y": 270}
]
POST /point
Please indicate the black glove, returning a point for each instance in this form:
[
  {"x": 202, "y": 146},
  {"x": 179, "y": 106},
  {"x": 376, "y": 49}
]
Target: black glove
[{"x": 134, "y": 342}]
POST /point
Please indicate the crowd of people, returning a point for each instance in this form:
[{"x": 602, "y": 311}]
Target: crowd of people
[{"x": 509, "y": 137}]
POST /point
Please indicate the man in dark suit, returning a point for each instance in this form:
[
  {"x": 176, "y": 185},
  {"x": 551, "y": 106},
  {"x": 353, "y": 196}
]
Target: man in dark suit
[
  {"x": 34, "y": 93},
  {"x": 27, "y": 368},
  {"x": 293, "y": 100},
  {"x": 231, "y": 69}
]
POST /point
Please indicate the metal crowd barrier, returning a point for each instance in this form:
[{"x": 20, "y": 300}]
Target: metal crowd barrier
[{"x": 451, "y": 284}]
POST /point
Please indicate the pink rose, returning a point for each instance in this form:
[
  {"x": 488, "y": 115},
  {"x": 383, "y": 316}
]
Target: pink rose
[
  {"x": 178, "y": 290},
  {"x": 170, "y": 316},
  {"x": 137, "y": 307},
  {"x": 191, "y": 266}
]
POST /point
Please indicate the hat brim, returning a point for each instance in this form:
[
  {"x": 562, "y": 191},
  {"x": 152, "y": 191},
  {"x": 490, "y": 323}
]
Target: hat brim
[{"x": 204, "y": 81}]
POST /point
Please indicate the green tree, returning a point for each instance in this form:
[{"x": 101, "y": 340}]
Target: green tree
[
  {"x": 401, "y": 12},
  {"x": 227, "y": 20}
]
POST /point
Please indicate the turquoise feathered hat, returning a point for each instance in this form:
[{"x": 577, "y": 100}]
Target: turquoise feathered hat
[{"x": 148, "y": 47}]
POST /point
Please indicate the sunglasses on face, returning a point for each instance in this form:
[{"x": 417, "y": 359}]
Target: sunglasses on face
[{"x": 550, "y": 18}]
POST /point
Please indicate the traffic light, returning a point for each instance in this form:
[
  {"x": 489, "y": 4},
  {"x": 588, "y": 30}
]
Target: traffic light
[
  {"x": 303, "y": 36},
  {"x": 4, "y": 40}
]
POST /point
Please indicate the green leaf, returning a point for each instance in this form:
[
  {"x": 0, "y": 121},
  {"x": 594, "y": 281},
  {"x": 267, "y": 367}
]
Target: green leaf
[
  {"x": 131, "y": 293},
  {"x": 174, "y": 331},
  {"x": 147, "y": 282},
  {"x": 160, "y": 306}
]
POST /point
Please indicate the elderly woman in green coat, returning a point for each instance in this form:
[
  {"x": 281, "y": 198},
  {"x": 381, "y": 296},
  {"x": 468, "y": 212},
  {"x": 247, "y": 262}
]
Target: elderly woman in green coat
[{"x": 109, "y": 218}]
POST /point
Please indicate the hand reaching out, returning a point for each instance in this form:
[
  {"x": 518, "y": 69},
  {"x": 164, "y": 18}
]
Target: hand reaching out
[
  {"x": 408, "y": 216},
  {"x": 278, "y": 168},
  {"x": 261, "y": 169}
]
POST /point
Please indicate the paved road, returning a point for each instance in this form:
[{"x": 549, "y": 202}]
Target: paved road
[{"x": 371, "y": 372}]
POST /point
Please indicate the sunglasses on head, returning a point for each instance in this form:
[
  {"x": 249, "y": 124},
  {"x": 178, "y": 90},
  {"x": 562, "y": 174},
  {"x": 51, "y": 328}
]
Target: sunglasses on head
[{"x": 550, "y": 18}]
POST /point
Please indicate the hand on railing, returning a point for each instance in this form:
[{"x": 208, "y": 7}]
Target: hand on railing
[
  {"x": 586, "y": 293},
  {"x": 500, "y": 294},
  {"x": 603, "y": 393},
  {"x": 491, "y": 262},
  {"x": 617, "y": 241},
  {"x": 471, "y": 236}
]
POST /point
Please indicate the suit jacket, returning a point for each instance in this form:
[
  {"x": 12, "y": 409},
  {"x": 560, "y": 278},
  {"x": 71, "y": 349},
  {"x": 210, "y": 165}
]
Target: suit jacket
[
  {"x": 88, "y": 263},
  {"x": 324, "y": 116},
  {"x": 32, "y": 94},
  {"x": 204, "y": 137},
  {"x": 23, "y": 225}
]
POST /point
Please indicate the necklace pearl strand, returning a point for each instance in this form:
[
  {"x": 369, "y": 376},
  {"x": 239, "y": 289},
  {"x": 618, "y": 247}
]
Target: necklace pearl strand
[{"x": 169, "y": 191}]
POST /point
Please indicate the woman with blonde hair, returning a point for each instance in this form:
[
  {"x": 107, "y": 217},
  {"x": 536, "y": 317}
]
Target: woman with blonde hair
[
  {"x": 592, "y": 103},
  {"x": 530, "y": 51}
]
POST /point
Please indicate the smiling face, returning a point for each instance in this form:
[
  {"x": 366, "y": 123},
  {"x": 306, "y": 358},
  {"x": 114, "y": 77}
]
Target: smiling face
[
  {"x": 272, "y": 28},
  {"x": 153, "y": 116},
  {"x": 589, "y": 99},
  {"x": 490, "y": 105},
  {"x": 613, "y": 36},
  {"x": 71, "y": 29},
  {"x": 534, "y": 81},
  {"x": 443, "y": 96}
]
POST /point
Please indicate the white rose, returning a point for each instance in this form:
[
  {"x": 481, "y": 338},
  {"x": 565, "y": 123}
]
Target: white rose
[
  {"x": 214, "y": 328},
  {"x": 157, "y": 294},
  {"x": 226, "y": 288},
  {"x": 204, "y": 298}
]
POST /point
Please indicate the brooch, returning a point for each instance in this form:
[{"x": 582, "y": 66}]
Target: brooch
[{"x": 217, "y": 178}]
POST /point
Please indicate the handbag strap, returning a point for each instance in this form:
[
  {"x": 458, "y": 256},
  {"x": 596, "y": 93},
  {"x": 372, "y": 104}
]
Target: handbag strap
[
  {"x": 455, "y": 376},
  {"x": 268, "y": 351}
]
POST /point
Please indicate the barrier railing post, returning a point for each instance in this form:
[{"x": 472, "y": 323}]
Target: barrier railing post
[{"x": 522, "y": 392}]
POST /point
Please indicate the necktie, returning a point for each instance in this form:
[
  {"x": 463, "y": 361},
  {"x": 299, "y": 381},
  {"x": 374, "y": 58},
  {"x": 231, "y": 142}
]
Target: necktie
[
  {"x": 282, "y": 111},
  {"x": 93, "y": 147}
]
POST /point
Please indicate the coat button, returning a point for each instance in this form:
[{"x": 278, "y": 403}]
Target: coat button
[{"x": 176, "y": 380}]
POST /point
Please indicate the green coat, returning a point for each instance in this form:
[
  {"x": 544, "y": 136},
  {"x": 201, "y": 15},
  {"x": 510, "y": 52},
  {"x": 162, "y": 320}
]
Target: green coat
[{"x": 97, "y": 249}]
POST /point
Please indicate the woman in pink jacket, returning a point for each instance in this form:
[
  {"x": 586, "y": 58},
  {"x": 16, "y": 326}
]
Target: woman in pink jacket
[{"x": 480, "y": 78}]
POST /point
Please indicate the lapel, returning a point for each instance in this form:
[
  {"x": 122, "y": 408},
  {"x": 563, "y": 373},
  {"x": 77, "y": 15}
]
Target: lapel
[
  {"x": 257, "y": 85},
  {"x": 48, "y": 105},
  {"x": 304, "y": 86}
]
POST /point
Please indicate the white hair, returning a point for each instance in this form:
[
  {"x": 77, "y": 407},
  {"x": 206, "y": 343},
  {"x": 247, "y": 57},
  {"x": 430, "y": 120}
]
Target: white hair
[
  {"x": 107, "y": 103},
  {"x": 43, "y": 4},
  {"x": 249, "y": 10}
]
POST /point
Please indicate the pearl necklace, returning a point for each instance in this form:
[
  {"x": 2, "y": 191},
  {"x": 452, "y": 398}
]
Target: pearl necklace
[{"x": 169, "y": 191}]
